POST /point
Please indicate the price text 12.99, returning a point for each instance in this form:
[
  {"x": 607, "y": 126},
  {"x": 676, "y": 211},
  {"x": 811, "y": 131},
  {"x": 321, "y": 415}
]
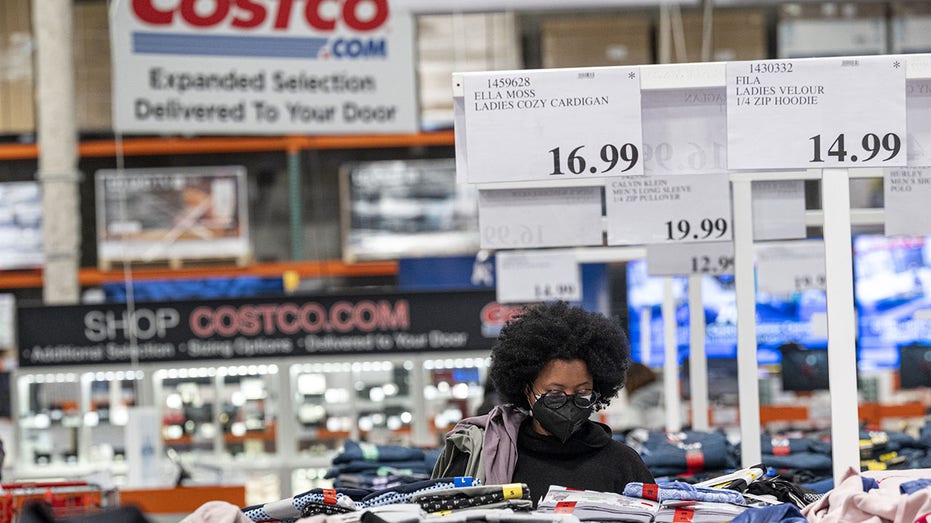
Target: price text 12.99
[{"x": 627, "y": 155}]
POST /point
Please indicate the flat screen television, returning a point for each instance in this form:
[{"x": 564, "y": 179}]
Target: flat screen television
[
  {"x": 804, "y": 370},
  {"x": 798, "y": 317},
  {"x": 412, "y": 208},
  {"x": 892, "y": 286},
  {"x": 914, "y": 366}
]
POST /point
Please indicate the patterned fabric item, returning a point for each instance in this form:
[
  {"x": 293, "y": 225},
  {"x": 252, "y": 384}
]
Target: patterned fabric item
[
  {"x": 316, "y": 501},
  {"x": 403, "y": 493},
  {"x": 311, "y": 509},
  {"x": 466, "y": 497},
  {"x": 677, "y": 490},
  {"x": 257, "y": 514}
]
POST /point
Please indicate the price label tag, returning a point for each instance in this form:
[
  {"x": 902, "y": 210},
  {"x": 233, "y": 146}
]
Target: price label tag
[
  {"x": 552, "y": 124},
  {"x": 918, "y": 103},
  {"x": 684, "y": 131},
  {"x": 778, "y": 210},
  {"x": 528, "y": 276},
  {"x": 787, "y": 268},
  {"x": 682, "y": 259},
  {"x": 816, "y": 113},
  {"x": 540, "y": 217},
  {"x": 907, "y": 192},
  {"x": 668, "y": 209}
]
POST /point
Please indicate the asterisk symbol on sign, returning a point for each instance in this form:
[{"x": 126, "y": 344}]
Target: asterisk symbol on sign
[
  {"x": 631, "y": 75},
  {"x": 896, "y": 64}
]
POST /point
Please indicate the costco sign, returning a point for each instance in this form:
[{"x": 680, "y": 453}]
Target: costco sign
[{"x": 262, "y": 67}]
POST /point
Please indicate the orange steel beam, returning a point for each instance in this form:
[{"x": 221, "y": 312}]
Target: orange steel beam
[
  {"x": 165, "y": 146},
  {"x": 90, "y": 276}
]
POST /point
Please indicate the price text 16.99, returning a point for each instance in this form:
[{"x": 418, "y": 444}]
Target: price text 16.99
[{"x": 609, "y": 154}]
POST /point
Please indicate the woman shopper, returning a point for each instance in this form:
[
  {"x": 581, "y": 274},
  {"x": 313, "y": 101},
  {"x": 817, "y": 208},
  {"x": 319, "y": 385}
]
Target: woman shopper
[{"x": 553, "y": 366}]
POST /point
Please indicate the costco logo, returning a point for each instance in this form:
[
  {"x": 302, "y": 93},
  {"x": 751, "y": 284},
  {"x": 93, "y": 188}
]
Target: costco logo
[{"x": 254, "y": 24}]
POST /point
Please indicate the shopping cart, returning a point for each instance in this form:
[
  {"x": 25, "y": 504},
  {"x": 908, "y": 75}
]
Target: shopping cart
[{"x": 65, "y": 498}]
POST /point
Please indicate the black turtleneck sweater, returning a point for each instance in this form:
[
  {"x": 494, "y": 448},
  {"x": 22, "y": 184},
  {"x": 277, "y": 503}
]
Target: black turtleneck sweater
[{"x": 589, "y": 460}]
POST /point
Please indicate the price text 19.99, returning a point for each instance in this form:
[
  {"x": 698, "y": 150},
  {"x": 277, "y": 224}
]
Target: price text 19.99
[{"x": 707, "y": 228}]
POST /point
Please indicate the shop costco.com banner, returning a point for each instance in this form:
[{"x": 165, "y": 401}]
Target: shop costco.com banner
[
  {"x": 260, "y": 328},
  {"x": 262, "y": 67}
]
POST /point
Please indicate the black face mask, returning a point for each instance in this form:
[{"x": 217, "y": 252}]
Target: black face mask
[{"x": 561, "y": 422}]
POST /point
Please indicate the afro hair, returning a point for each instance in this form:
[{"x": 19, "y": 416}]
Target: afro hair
[{"x": 549, "y": 331}]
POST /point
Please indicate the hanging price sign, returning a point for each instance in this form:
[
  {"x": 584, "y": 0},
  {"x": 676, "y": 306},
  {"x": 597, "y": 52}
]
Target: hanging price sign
[
  {"x": 684, "y": 131},
  {"x": 790, "y": 267},
  {"x": 668, "y": 209},
  {"x": 528, "y": 276},
  {"x": 918, "y": 102},
  {"x": 683, "y": 259},
  {"x": 552, "y": 124},
  {"x": 907, "y": 192},
  {"x": 778, "y": 209},
  {"x": 540, "y": 217},
  {"x": 816, "y": 113}
]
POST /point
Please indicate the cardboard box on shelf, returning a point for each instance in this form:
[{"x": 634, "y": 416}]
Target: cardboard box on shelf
[
  {"x": 582, "y": 41},
  {"x": 92, "y": 69},
  {"x": 16, "y": 106},
  {"x": 459, "y": 43},
  {"x": 737, "y": 34},
  {"x": 831, "y": 29},
  {"x": 92, "y": 100},
  {"x": 911, "y": 27}
]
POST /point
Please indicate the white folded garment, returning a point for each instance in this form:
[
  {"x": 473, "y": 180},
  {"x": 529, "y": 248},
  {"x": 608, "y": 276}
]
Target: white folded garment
[{"x": 591, "y": 505}]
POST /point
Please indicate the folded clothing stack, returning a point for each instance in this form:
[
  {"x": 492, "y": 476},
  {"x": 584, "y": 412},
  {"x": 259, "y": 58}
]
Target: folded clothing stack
[
  {"x": 591, "y": 505},
  {"x": 512, "y": 496},
  {"x": 364, "y": 465}
]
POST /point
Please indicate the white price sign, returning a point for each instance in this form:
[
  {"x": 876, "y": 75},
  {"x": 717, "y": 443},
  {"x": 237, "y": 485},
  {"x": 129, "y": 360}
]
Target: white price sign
[
  {"x": 668, "y": 209},
  {"x": 816, "y": 113},
  {"x": 527, "y": 276},
  {"x": 540, "y": 217},
  {"x": 678, "y": 259},
  {"x": 907, "y": 192},
  {"x": 262, "y": 67},
  {"x": 787, "y": 268},
  {"x": 918, "y": 102},
  {"x": 778, "y": 209},
  {"x": 552, "y": 124},
  {"x": 684, "y": 131}
]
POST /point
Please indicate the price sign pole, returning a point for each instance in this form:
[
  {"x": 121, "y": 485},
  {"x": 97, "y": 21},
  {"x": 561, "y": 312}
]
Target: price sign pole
[
  {"x": 559, "y": 124},
  {"x": 816, "y": 113}
]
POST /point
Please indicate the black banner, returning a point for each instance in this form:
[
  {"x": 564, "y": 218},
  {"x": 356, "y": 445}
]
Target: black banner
[{"x": 256, "y": 328}]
